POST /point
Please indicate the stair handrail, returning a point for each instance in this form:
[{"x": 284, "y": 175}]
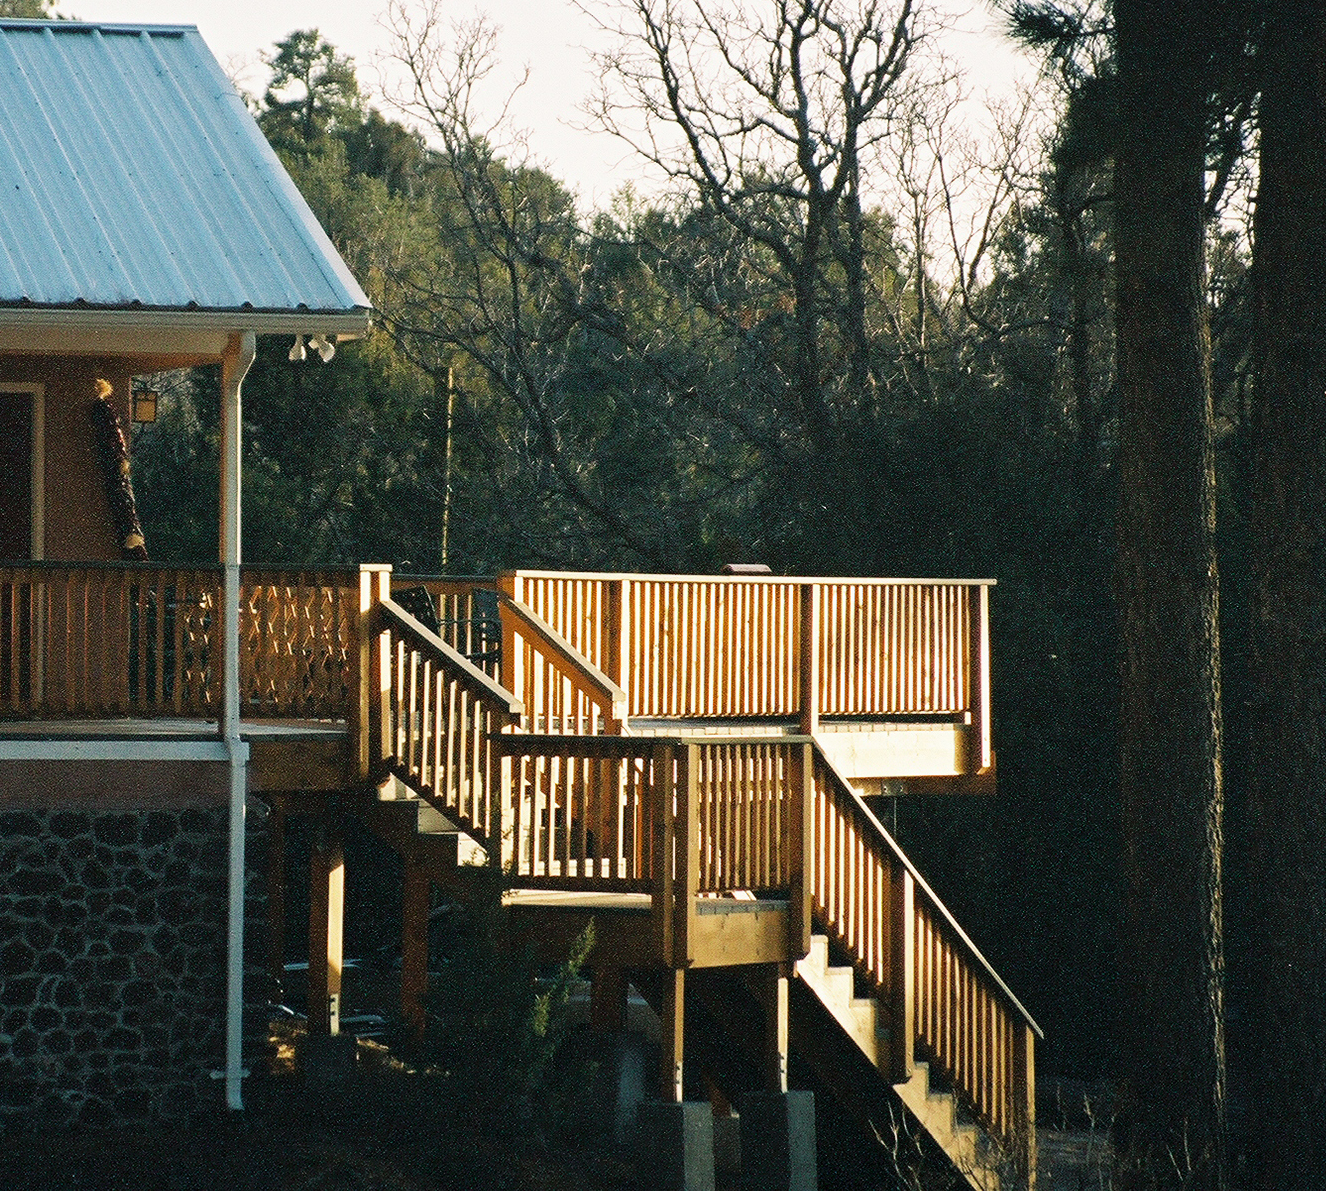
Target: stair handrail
[
  {"x": 432, "y": 718},
  {"x": 486, "y": 689},
  {"x": 844, "y": 788},
  {"x": 569, "y": 662}
]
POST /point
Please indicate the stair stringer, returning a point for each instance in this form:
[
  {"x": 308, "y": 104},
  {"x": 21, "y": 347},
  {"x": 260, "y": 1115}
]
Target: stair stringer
[{"x": 866, "y": 1023}]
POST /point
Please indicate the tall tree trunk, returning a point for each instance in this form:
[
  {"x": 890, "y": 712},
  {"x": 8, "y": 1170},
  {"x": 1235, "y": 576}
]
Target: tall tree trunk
[
  {"x": 1286, "y": 1139},
  {"x": 1170, "y": 1128}
]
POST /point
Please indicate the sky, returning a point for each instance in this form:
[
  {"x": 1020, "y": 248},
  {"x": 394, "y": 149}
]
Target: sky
[{"x": 550, "y": 37}]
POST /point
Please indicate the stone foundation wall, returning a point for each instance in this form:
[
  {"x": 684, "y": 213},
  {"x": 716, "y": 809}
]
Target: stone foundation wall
[{"x": 112, "y": 963}]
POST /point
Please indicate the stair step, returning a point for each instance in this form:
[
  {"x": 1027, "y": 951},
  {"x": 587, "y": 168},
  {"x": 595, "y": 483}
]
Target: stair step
[{"x": 865, "y": 1021}]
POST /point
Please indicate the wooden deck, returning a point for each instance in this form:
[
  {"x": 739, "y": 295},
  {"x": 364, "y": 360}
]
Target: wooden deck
[{"x": 683, "y": 759}]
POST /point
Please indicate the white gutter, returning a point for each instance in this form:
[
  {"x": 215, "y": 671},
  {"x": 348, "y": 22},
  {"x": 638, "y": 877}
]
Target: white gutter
[{"x": 239, "y": 356}]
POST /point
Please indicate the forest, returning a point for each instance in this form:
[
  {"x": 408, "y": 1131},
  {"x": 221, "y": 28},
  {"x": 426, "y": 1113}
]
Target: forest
[{"x": 851, "y": 337}]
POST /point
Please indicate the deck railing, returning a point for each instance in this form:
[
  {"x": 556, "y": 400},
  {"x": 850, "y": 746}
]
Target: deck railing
[
  {"x": 770, "y": 647},
  {"x": 949, "y": 1005},
  {"x": 140, "y": 640},
  {"x": 431, "y": 717}
]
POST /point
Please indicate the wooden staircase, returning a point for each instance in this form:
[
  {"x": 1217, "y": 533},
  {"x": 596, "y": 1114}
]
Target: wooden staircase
[
  {"x": 867, "y": 1023},
  {"x": 555, "y": 778}
]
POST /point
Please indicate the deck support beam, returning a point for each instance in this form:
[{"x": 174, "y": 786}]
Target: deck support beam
[{"x": 326, "y": 919}]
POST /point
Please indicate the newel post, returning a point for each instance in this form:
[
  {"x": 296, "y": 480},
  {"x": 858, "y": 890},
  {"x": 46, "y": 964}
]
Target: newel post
[
  {"x": 688, "y": 854},
  {"x": 508, "y": 584},
  {"x": 809, "y": 660},
  {"x": 902, "y": 974},
  {"x": 663, "y": 847},
  {"x": 800, "y": 861},
  {"x": 978, "y": 681},
  {"x": 1024, "y": 1099},
  {"x": 371, "y": 709},
  {"x": 616, "y": 643}
]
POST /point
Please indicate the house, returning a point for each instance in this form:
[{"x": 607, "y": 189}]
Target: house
[{"x": 689, "y": 760}]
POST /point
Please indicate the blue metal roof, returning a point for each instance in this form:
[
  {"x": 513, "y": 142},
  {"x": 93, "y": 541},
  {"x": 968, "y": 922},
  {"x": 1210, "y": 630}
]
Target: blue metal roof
[{"x": 133, "y": 177}]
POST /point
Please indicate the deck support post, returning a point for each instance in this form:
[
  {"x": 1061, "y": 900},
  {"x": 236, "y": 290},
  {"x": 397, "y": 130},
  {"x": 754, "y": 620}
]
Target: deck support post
[
  {"x": 326, "y": 918},
  {"x": 276, "y": 896},
  {"x": 414, "y": 945},
  {"x": 776, "y": 1004},
  {"x": 1024, "y": 1103},
  {"x": 671, "y": 1033}
]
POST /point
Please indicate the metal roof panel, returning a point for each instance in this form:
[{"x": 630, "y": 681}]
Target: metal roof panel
[{"x": 132, "y": 175}]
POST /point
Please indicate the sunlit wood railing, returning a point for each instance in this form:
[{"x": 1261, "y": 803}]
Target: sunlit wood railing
[
  {"x": 563, "y": 689},
  {"x": 766, "y": 647},
  {"x": 948, "y": 1004},
  {"x": 466, "y": 610},
  {"x": 584, "y": 810},
  {"x": 429, "y": 716},
  {"x": 140, "y": 640}
]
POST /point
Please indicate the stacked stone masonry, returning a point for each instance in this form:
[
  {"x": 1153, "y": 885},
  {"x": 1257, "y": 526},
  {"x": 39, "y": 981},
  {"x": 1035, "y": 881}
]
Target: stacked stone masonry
[{"x": 112, "y": 963}]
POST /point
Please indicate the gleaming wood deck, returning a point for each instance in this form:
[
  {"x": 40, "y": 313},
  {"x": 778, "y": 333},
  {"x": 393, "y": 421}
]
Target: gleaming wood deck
[{"x": 681, "y": 758}]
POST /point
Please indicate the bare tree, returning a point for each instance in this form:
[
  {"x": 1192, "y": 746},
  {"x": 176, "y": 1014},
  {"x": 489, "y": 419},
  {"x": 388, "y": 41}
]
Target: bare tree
[
  {"x": 495, "y": 307},
  {"x": 768, "y": 113}
]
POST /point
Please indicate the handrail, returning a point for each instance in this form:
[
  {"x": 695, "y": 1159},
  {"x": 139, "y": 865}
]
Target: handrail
[
  {"x": 141, "y": 640},
  {"x": 569, "y": 664},
  {"x": 478, "y": 683},
  {"x": 845, "y": 788},
  {"x": 794, "y": 580},
  {"x": 943, "y": 994}
]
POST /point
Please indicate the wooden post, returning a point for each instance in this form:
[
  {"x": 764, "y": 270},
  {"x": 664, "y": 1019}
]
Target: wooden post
[
  {"x": 326, "y": 919},
  {"x": 800, "y": 860},
  {"x": 414, "y": 945},
  {"x": 616, "y": 646},
  {"x": 688, "y": 855},
  {"x": 276, "y": 896},
  {"x": 902, "y": 979},
  {"x": 809, "y": 661},
  {"x": 671, "y": 1036},
  {"x": 978, "y": 691},
  {"x": 776, "y": 1027},
  {"x": 370, "y": 716},
  {"x": 664, "y": 794},
  {"x": 1024, "y": 1100},
  {"x": 509, "y": 670}
]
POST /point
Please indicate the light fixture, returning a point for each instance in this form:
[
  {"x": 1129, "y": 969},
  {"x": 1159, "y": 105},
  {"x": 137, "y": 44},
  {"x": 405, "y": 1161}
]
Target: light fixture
[
  {"x": 145, "y": 405},
  {"x": 297, "y": 353},
  {"x": 325, "y": 347}
]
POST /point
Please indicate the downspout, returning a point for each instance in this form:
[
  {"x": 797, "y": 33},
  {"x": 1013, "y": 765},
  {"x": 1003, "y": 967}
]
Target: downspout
[{"x": 234, "y": 367}]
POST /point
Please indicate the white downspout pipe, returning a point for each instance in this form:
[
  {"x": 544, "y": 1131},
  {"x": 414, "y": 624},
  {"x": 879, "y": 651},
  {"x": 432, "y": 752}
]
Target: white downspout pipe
[{"x": 238, "y": 358}]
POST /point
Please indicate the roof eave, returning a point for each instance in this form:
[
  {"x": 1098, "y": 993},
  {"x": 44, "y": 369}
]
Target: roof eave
[{"x": 194, "y": 336}]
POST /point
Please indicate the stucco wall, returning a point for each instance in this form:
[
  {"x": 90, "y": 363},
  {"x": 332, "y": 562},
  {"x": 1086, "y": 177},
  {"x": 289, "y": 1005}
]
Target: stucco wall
[{"x": 78, "y": 518}]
